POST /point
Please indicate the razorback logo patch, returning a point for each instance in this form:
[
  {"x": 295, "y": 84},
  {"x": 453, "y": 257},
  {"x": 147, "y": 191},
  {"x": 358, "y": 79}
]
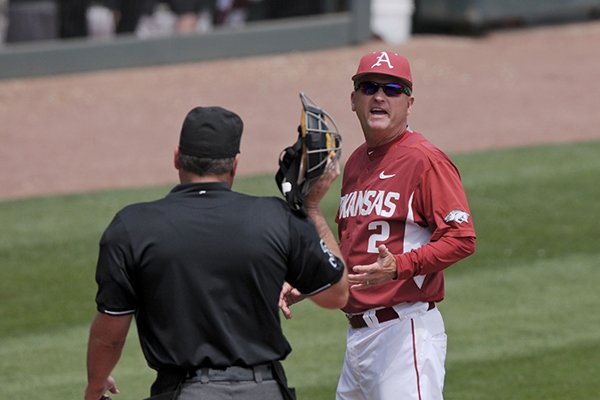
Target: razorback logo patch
[{"x": 457, "y": 216}]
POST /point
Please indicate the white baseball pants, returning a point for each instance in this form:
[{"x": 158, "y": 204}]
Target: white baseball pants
[{"x": 401, "y": 359}]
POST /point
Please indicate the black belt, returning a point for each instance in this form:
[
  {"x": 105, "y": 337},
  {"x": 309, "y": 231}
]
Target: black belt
[
  {"x": 258, "y": 373},
  {"x": 383, "y": 315}
]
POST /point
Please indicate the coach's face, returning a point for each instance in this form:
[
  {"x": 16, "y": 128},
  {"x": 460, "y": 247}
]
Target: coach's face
[{"x": 382, "y": 118}]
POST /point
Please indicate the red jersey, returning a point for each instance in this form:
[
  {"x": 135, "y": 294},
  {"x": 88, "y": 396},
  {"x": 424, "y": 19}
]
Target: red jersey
[{"x": 406, "y": 194}]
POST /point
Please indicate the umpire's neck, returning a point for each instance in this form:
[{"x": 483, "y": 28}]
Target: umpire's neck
[{"x": 186, "y": 176}]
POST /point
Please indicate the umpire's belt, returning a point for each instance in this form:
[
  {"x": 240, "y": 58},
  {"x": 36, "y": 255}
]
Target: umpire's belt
[
  {"x": 357, "y": 321},
  {"x": 258, "y": 373}
]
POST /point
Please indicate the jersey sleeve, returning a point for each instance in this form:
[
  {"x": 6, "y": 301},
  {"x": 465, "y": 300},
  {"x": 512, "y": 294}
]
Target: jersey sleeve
[
  {"x": 441, "y": 205},
  {"x": 312, "y": 266},
  {"x": 115, "y": 295},
  {"x": 441, "y": 202}
]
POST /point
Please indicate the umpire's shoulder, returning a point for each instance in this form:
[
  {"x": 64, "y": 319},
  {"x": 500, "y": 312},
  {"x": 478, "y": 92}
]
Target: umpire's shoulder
[
  {"x": 138, "y": 210},
  {"x": 273, "y": 202},
  {"x": 274, "y": 205}
]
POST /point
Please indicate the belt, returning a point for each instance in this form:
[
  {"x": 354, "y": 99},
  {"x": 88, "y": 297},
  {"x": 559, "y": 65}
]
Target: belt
[
  {"x": 383, "y": 315},
  {"x": 258, "y": 373}
]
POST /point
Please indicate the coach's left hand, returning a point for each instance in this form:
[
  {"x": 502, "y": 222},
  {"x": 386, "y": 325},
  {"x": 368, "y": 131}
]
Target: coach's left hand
[{"x": 383, "y": 270}]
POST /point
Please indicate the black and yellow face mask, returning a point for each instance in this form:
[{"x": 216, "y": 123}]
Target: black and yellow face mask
[{"x": 318, "y": 146}]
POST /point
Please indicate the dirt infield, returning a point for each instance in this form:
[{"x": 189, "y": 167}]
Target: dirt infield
[{"x": 109, "y": 129}]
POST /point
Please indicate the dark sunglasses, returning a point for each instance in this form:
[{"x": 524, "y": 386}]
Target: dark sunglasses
[{"x": 390, "y": 89}]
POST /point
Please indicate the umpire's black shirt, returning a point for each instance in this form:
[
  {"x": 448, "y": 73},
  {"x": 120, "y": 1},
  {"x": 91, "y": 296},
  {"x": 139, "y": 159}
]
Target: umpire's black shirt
[{"x": 202, "y": 270}]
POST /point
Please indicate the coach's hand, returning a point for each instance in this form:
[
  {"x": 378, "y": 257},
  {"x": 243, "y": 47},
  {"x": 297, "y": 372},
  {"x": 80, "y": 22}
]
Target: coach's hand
[
  {"x": 287, "y": 297},
  {"x": 383, "y": 270}
]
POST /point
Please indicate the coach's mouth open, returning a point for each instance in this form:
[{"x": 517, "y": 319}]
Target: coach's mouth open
[{"x": 378, "y": 111}]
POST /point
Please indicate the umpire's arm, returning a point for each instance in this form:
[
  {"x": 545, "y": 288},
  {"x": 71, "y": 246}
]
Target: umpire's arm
[
  {"x": 106, "y": 341},
  {"x": 337, "y": 295}
]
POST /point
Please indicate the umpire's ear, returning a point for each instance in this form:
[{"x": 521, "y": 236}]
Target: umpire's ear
[
  {"x": 176, "y": 162},
  {"x": 236, "y": 160}
]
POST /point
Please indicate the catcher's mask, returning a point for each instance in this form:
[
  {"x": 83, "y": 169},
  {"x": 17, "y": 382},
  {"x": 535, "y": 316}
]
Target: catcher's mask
[{"x": 318, "y": 146}]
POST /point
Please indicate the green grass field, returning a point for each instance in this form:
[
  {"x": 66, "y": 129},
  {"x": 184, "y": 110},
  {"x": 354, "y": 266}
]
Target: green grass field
[{"x": 521, "y": 314}]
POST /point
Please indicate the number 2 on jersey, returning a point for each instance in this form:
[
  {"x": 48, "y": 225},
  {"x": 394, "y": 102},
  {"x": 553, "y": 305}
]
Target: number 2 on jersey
[{"x": 382, "y": 234}]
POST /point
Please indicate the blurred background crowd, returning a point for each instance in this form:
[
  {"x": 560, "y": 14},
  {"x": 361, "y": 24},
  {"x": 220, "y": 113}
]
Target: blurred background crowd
[{"x": 31, "y": 20}]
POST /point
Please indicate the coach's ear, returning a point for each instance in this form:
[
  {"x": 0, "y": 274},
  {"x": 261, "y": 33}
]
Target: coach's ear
[
  {"x": 176, "y": 162},
  {"x": 411, "y": 101}
]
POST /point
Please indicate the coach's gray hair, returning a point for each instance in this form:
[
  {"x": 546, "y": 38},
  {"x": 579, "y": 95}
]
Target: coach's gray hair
[{"x": 202, "y": 166}]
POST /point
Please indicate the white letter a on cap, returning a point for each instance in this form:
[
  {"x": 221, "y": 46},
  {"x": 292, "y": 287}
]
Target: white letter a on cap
[{"x": 383, "y": 58}]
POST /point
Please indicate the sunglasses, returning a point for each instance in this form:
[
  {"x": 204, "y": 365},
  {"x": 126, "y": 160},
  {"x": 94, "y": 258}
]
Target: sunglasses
[{"x": 390, "y": 89}]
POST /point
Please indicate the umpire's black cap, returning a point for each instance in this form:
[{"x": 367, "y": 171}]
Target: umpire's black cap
[{"x": 211, "y": 132}]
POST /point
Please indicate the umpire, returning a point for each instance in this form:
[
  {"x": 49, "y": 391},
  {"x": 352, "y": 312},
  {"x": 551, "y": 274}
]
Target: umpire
[{"x": 202, "y": 271}]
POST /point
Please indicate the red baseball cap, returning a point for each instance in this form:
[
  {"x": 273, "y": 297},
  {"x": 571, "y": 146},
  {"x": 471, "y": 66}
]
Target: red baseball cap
[{"x": 385, "y": 63}]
